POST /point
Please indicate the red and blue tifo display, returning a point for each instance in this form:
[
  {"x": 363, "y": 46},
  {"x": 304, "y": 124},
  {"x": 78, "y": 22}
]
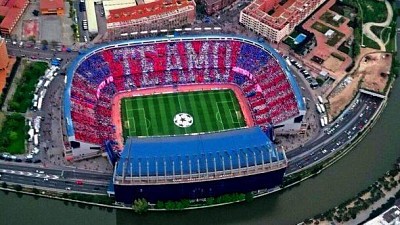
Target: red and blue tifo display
[{"x": 190, "y": 166}]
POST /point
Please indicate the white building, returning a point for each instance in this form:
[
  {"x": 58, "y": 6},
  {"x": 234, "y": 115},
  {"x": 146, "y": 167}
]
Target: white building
[
  {"x": 389, "y": 217},
  {"x": 275, "y": 21},
  {"x": 91, "y": 17}
]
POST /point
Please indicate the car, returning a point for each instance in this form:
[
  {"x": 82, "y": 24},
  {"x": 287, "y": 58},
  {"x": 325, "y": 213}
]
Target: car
[
  {"x": 18, "y": 160},
  {"x": 41, "y": 171},
  {"x": 68, "y": 188},
  {"x": 45, "y": 179},
  {"x": 28, "y": 160},
  {"x": 35, "y": 150},
  {"x": 59, "y": 59},
  {"x": 324, "y": 151},
  {"x": 79, "y": 182}
]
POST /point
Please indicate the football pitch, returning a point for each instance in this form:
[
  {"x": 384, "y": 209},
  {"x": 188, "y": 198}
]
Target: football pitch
[{"x": 181, "y": 113}]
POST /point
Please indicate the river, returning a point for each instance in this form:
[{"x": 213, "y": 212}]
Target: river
[{"x": 358, "y": 169}]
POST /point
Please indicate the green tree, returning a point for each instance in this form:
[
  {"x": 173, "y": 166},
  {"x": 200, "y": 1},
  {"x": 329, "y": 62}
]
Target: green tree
[
  {"x": 44, "y": 42},
  {"x": 13, "y": 105},
  {"x": 210, "y": 201},
  {"x": 13, "y": 135},
  {"x": 249, "y": 197},
  {"x": 54, "y": 43},
  {"x": 35, "y": 191},
  {"x": 160, "y": 205},
  {"x": 4, "y": 185},
  {"x": 18, "y": 187},
  {"x": 140, "y": 205},
  {"x": 32, "y": 38}
]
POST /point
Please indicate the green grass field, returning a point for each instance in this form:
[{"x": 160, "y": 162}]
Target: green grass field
[{"x": 154, "y": 114}]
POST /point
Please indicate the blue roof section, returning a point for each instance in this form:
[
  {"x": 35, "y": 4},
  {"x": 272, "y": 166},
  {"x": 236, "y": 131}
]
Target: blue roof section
[
  {"x": 196, "y": 153},
  {"x": 88, "y": 52}
]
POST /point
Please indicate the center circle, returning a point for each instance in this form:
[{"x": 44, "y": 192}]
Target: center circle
[{"x": 183, "y": 120}]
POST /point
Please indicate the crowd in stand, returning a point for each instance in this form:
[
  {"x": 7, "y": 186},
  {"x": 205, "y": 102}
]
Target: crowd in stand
[{"x": 267, "y": 89}]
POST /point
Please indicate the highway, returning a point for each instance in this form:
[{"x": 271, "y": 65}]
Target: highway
[
  {"x": 336, "y": 135},
  {"x": 75, "y": 180}
]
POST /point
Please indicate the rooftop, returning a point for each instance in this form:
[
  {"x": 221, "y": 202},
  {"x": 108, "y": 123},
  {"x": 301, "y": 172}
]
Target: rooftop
[
  {"x": 11, "y": 9},
  {"x": 276, "y": 13},
  {"x": 147, "y": 10},
  {"x": 51, "y": 4},
  {"x": 197, "y": 153}
]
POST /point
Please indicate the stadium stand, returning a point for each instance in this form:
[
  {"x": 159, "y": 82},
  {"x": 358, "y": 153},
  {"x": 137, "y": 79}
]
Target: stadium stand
[{"x": 262, "y": 76}]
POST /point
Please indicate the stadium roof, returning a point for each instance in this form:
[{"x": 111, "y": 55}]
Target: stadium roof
[
  {"x": 51, "y": 4},
  {"x": 146, "y": 10},
  {"x": 196, "y": 153}
]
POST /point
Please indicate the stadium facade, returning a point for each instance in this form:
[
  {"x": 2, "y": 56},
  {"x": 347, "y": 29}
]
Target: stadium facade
[
  {"x": 197, "y": 166},
  {"x": 187, "y": 166}
]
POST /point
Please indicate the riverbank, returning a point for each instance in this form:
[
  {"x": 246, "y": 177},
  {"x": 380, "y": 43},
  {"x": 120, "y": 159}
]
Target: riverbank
[{"x": 359, "y": 208}]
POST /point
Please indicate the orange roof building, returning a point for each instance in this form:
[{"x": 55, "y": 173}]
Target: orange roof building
[
  {"x": 4, "y": 61},
  {"x": 213, "y": 6},
  {"x": 275, "y": 19},
  {"x": 12, "y": 11},
  {"x": 48, "y": 7},
  {"x": 157, "y": 15}
]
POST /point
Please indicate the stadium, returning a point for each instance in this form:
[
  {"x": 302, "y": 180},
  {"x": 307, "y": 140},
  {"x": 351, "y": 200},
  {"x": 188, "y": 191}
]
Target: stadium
[{"x": 187, "y": 117}]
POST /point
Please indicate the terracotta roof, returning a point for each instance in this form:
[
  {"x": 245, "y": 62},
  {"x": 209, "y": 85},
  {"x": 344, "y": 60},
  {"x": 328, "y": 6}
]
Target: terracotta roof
[
  {"x": 51, "y": 4},
  {"x": 3, "y": 10},
  {"x": 11, "y": 10},
  {"x": 146, "y": 10}
]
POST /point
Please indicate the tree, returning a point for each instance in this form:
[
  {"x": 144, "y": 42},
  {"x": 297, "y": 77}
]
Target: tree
[
  {"x": 32, "y": 38},
  {"x": 35, "y": 12},
  {"x": 140, "y": 205},
  {"x": 54, "y": 43},
  {"x": 44, "y": 42},
  {"x": 320, "y": 81},
  {"x": 14, "y": 106},
  {"x": 35, "y": 191},
  {"x": 160, "y": 205},
  {"x": 249, "y": 197},
  {"x": 4, "y": 185},
  {"x": 18, "y": 187},
  {"x": 13, "y": 136}
]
